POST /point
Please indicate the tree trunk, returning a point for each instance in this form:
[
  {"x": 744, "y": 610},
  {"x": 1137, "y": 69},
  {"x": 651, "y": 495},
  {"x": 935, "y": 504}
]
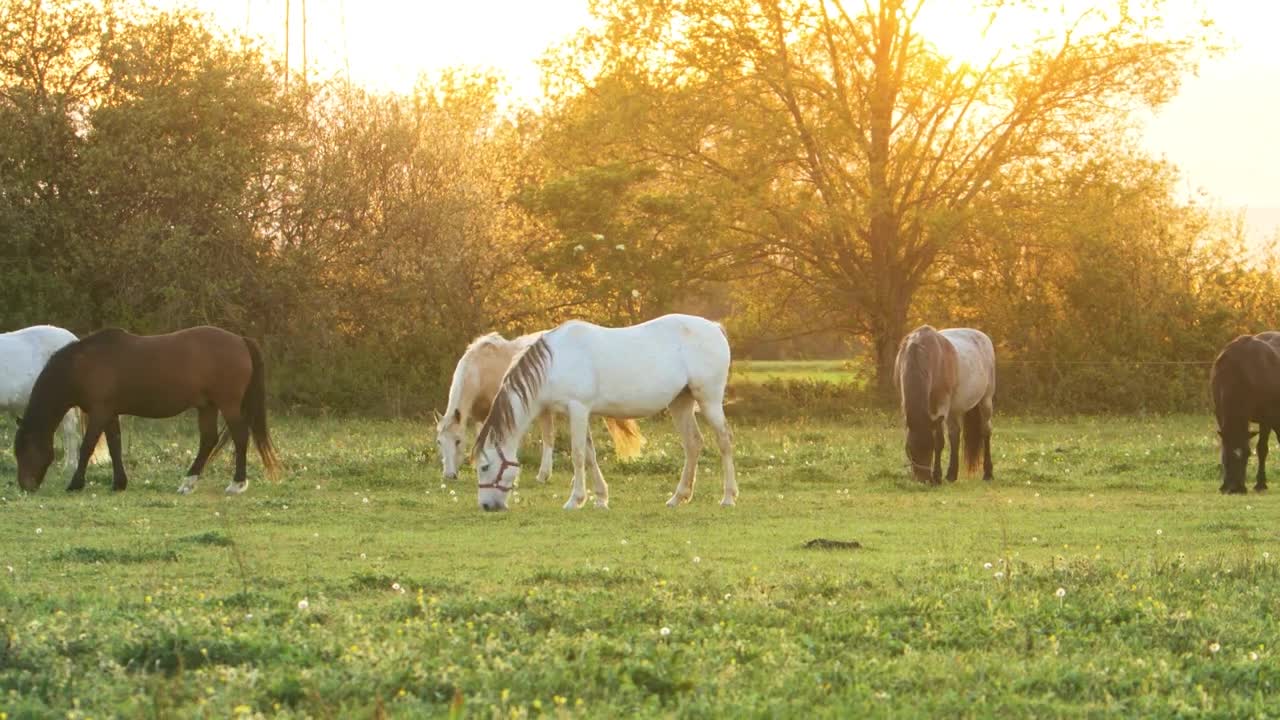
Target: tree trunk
[{"x": 886, "y": 332}]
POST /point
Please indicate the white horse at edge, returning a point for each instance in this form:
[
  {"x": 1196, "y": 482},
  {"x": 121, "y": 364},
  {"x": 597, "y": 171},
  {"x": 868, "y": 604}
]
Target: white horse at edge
[
  {"x": 23, "y": 354},
  {"x": 676, "y": 362},
  {"x": 475, "y": 383}
]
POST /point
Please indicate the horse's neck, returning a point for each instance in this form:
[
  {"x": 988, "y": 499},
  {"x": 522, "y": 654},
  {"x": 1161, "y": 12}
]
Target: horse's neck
[
  {"x": 479, "y": 373},
  {"x": 917, "y": 389},
  {"x": 47, "y": 405}
]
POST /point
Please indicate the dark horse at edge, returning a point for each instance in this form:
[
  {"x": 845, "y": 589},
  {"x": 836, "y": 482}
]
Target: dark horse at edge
[
  {"x": 111, "y": 373},
  {"x": 1245, "y": 382}
]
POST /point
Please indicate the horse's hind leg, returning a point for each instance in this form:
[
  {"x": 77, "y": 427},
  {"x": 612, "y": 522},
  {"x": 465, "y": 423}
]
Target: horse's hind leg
[
  {"x": 208, "y": 423},
  {"x": 593, "y": 466},
  {"x": 681, "y": 410},
  {"x": 239, "y": 429},
  {"x": 714, "y": 413},
  {"x": 119, "y": 480},
  {"x": 987, "y": 411},
  {"x": 547, "y": 421},
  {"x": 953, "y": 438},
  {"x": 1263, "y": 431}
]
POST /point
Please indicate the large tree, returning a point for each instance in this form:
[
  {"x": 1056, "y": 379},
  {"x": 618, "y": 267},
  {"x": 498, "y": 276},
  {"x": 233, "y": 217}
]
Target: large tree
[{"x": 841, "y": 147}]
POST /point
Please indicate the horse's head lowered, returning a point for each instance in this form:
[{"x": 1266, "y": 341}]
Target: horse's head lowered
[
  {"x": 34, "y": 452},
  {"x": 1235, "y": 458},
  {"x": 496, "y": 476},
  {"x": 920, "y": 452},
  {"x": 449, "y": 438}
]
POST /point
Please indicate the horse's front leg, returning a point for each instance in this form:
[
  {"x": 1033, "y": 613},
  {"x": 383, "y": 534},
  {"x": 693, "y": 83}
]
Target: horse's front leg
[
  {"x": 548, "y": 445},
  {"x": 578, "y": 421},
  {"x": 92, "y": 430},
  {"x": 938, "y": 440},
  {"x": 953, "y": 437},
  {"x": 1263, "y": 431}
]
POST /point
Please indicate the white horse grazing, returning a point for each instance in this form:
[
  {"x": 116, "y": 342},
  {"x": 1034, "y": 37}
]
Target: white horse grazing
[
  {"x": 23, "y": 354},
  {"x": 677, "y": 362},
  {"x": 475, "y": 383}
]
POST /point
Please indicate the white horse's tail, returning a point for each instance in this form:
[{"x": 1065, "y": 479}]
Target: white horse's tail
[
  {"x": 627, "y": 438},
  {"x": 100, "y": 453}
]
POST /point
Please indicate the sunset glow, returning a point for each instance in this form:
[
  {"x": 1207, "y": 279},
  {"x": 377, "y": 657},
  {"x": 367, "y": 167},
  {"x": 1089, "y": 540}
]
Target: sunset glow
[{"x": 1219, "y": 130}]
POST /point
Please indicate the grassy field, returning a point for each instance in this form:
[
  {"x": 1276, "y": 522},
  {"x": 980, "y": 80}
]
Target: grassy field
[
  {"x": 1100, "y": 575},
  {"x": 840, "y": 372}
]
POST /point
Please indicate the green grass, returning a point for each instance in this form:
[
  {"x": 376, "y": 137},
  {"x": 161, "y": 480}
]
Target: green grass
[
  {"x": 150, "y": 604},
  {"x": 839, "y": 372}
]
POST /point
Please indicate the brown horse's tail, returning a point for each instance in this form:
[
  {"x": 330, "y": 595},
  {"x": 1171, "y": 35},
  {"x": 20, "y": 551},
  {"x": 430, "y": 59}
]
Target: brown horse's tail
[
  {"x": 974, "y": 433},
  {"x": 253, "y": 409}
]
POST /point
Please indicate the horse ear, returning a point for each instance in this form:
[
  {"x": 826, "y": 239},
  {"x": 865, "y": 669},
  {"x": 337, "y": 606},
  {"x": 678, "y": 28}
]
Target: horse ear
[
  {"x": 1253, "y": 434},
  {"x": 435, "y": 412},
  {"x": 18, "y": 419}
]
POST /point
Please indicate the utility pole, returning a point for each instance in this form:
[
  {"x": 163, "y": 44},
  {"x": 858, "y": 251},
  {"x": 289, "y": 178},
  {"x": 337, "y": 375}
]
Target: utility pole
[
  {"x": 286, "y": 45},
  {"x": 304, "y": 44}
]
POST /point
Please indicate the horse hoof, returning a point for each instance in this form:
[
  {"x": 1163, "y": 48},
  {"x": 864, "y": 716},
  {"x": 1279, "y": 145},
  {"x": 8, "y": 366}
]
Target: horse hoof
[
  {"x": 574, "y": 503},
  {"x": 188, "y": 484},
  {"x": 728, "y": 502},
  {"x": 542, "y": 479},
  {"x": 677, "y": 501},
  {"x": 602, "y": 505},
  {"x": 1259, "y": 488},
  {"x": 237, "y": 488},
  {"x": 75, "y": 488}
]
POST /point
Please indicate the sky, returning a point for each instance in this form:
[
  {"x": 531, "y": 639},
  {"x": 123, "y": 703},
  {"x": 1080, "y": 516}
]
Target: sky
[{"x": 1222, "y": 130}]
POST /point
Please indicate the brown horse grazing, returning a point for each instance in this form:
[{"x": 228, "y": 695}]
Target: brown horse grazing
[
  {"x": 943, "y": 377},
  {"x": 112, "y": 373},
  {"x": 1245, "y": 382}
]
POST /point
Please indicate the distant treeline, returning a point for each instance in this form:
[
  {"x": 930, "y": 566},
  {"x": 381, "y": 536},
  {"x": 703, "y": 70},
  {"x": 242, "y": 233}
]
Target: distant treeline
[{"x": 156, "y": 173}]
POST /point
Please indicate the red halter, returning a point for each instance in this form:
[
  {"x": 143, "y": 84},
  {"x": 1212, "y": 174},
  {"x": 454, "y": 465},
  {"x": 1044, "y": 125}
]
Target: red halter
[{"x": 504, "y": 463}]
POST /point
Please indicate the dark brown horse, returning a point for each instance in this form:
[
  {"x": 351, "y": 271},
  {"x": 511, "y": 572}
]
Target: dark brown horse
[
  {"x": 1245, "y": 382},
  {"x": 112, "y": 373},
  {"x": 946, "y": 378}
]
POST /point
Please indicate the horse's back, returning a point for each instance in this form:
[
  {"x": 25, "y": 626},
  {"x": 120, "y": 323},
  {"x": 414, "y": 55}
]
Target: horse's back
[
  {"x": 975, "y": 367},
  {"x": 23, "y": 355},
  {"x": 1246, "y": 373},
  {"x": 643, "y": 366},
  {"x": 687, "y": 338},
  {"x": 162, "y": 375}
]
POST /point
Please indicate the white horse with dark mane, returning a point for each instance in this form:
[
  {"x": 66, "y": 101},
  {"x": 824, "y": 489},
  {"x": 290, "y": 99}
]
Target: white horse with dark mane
[
  {"x": 677, "y": 362},
  {"x": 23, "y": 354},
  {"x": 476, "y": 380}
]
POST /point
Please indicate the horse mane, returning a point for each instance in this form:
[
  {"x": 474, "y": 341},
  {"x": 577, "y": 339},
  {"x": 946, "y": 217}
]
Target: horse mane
[
  {"x": 521, "y": 383},
  {"x": 911, "y": 372},
  {"x": 492, "y": 339}
]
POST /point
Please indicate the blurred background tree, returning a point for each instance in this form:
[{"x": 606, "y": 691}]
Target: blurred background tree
[{"x": 819, "y": 177}]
